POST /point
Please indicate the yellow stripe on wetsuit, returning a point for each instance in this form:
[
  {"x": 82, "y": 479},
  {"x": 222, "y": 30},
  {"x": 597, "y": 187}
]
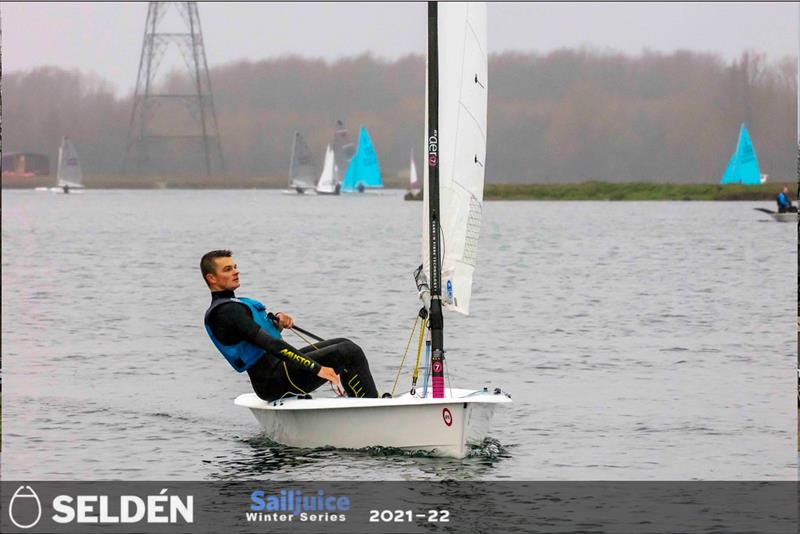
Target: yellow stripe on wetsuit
[{"x": 353, "y": 383}]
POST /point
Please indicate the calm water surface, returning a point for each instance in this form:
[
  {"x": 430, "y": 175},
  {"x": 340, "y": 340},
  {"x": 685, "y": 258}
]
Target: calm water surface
[{"x": 651, "y": 340}]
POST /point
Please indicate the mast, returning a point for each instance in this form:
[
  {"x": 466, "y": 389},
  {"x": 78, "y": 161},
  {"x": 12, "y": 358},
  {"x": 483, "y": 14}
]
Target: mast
[{"x": 436, "y": 318}]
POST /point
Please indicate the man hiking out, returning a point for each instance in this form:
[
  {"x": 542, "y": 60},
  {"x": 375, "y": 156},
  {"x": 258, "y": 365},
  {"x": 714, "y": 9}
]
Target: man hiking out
[{"x": 249, "y": 338}]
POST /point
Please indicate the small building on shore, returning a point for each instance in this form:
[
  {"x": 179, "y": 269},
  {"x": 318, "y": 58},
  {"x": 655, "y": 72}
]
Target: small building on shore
[{"x": 25, "y": 170}]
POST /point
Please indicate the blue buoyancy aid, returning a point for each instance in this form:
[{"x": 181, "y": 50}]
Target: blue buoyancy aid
[
  {"x": 243, "y": 355},
  {"x": 783, "y": 200}
]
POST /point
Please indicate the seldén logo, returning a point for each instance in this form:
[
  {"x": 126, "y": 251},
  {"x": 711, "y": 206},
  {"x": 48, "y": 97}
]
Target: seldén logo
[{"x": 24, "y": 508}]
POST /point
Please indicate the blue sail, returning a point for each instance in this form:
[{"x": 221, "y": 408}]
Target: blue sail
[
  {"x": 364, "y": 171},
  {"x": 743, "y": 166}
]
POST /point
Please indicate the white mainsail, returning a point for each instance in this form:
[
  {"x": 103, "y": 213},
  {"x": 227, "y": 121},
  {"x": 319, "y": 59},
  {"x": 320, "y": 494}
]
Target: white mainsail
[
  {"x": 462, "y": 147},
  {"x": 301, "y": 165},
  {"x": 446, "y": 423},
  {"x": 413, "y": 179},
  {"x": 69, "y": 167},
  {"x": 327, "y": 180}
]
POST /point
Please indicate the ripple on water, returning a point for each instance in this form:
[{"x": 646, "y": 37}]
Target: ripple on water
[{"x": 591, "y": 330}]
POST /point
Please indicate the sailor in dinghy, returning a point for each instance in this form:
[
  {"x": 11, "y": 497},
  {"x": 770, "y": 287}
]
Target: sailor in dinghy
[
  {"x": 442, "y": 421},
  {"x": 249, "y": 338},
  {"x": 785, "y": 202}
]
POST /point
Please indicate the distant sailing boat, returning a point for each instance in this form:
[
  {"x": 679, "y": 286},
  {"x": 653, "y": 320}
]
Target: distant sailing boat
[
  {"x": 437, "y": 419},
  {"x": 364, "y": 172},
  {"x": 327, "y": 180},
  {"x": 70, "y": 176},
  {"x": 343, "y": 150},
  {"x": 302, "y": 172},
  {"x": 743, "y": 165},
  {"x": 414, "y": 187},
  {"x": 792, "y": 216}
]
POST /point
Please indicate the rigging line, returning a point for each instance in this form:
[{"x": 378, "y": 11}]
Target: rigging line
[
  {"x": 402, "y": 361},
  {"x": 415, "y": 375},
  {"x": 447, "y": 374},
  {"x": 298, "y": 334},
  {"x": 290, "y": 379}
]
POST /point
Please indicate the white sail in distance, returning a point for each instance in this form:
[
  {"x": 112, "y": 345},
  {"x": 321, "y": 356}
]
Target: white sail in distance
[
  {"x": 463, "y": 68},
  {"x": 413, "y": 180},
  {"x": 301, "y": 166},
  {"x": 327, "y": 180},
  {"x": 69, "y": 166}
]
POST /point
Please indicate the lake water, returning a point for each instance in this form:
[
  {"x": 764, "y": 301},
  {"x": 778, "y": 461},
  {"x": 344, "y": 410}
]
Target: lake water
[{"x": 639, "y": 340}]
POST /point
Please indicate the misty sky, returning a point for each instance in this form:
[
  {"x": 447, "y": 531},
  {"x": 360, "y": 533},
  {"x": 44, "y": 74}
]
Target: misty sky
[{"x": 106, "y": 38}]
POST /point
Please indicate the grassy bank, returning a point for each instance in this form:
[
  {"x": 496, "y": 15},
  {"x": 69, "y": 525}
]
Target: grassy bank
[
  {"x": 631, "y": 191},
  {"x": 574, "y": 191},
  {"x": 200, "y": 181}
]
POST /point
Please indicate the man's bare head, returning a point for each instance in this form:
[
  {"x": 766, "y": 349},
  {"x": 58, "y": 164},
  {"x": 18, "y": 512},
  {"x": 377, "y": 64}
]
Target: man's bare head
[{"x": 219, "y": 270}]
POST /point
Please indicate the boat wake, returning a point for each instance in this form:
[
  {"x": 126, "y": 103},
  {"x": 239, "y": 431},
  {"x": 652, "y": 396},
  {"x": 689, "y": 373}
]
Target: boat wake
[{"x": 488, "y": 449}]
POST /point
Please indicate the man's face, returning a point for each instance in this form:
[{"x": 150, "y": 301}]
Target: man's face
[{"x": 226, "y": 275}]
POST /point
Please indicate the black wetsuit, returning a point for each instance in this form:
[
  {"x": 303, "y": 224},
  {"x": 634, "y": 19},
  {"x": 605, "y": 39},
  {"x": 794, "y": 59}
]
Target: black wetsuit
[{"x": 277, "y": 373}]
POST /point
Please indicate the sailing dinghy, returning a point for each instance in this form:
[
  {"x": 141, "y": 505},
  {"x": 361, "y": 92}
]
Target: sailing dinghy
[
  {"x": 791, "y": 216},
  {"x": 327, "y": 180},
  {"x": 743, "y": 165},
  {"x": 363, "y": 173},
  {"x": 301, "y": 167},
  {"x": 433, "y": 418},
  {"x": 69, "y": 175},
  {"x": 414, "y": 188},
  {"x": 343, "y": 150},
  {"x": 788, "y": 216}
]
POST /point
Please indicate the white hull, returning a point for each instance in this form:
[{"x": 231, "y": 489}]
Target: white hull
[
  {"x": 784, "y": 217},
  {"x": 405, "y": 422},
  {"x": 72, "y": 190}
]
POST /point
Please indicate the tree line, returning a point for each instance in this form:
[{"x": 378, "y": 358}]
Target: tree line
[{"x": 566, "y": 116}]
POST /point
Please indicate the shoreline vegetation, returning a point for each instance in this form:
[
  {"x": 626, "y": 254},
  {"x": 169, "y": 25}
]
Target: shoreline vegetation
[
  {"x": 633, "y": 191},
  {"x": 568, "y": 115},
  {"x": 593, "y": 190}
]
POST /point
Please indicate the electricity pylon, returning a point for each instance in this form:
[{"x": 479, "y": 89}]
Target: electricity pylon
[{"x": 145, "y": 135}]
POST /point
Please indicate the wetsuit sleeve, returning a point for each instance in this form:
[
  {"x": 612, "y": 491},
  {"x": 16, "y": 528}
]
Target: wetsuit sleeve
[
  {"x": 283, "y": 351},
  {"x": 236, "y": 321}
]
